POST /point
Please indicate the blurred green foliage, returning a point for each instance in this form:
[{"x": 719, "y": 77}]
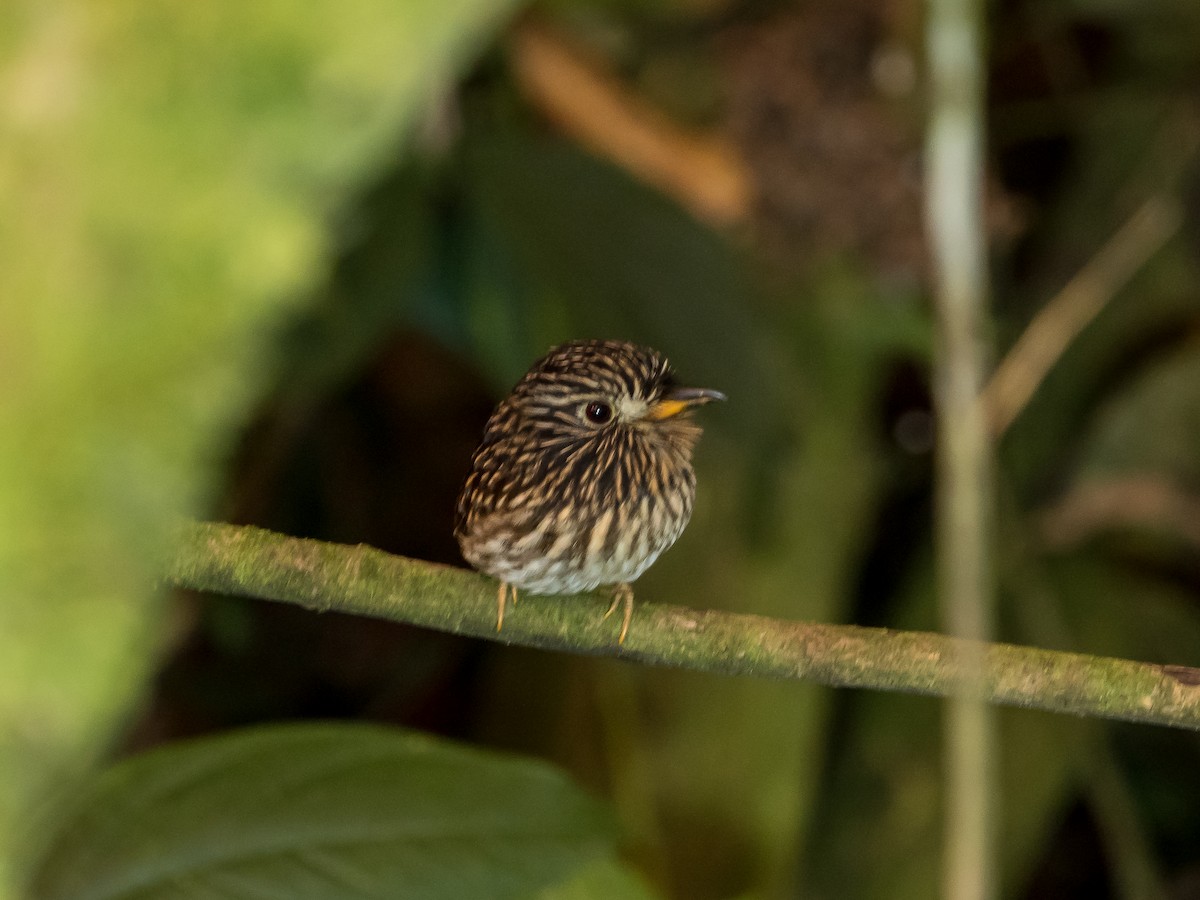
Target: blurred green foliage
[
  {"x": 166, "y": 176},
  {"x": 277, "y": 263}
]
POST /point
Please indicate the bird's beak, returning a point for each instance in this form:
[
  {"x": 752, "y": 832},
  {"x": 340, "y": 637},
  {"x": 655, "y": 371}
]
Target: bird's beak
[{"x": 680, "y": 399}]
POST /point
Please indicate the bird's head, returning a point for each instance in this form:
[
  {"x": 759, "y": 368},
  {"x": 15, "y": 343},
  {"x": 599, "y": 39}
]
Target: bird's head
[{"x": 609, "y": 392}]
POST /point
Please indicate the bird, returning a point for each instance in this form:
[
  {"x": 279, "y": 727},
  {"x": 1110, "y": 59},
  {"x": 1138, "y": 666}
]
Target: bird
[{"x": 584, "y": 475}]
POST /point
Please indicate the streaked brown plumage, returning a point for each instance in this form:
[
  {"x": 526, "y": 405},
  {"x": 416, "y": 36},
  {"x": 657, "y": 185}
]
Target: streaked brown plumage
[{"x": 584, "y": 475}]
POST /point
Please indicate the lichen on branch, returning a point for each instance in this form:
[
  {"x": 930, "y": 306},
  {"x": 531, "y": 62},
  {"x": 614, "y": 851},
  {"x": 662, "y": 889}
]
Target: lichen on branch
[{"x": 252, "y": 562}]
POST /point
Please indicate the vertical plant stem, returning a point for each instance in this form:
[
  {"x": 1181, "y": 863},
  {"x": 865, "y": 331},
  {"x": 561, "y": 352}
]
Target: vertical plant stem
[{"x": 954, "y": 201}]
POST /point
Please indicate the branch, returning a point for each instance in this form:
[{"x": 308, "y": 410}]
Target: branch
[
  {"x": 577, "y": 92},
  {"x": 1075, "y": 307},
  {"x": 252, "y": 562}
]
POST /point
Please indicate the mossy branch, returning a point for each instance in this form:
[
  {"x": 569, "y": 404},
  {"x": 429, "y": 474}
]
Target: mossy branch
[{"x": 252, "y": 562}]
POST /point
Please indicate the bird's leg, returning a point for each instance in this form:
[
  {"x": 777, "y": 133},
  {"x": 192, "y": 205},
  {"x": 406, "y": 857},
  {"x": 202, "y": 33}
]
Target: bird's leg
[
  {"x": 622, "y": 593},
  {"x": 501, "y": 597}
]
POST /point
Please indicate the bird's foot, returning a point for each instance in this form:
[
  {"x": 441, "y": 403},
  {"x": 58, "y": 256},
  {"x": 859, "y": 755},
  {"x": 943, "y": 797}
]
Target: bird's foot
[
  {"x": 501, "y": 597},
  {"x": 622, "y": 593}
]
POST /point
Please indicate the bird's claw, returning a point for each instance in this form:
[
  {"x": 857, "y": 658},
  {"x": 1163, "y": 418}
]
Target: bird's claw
[
  {"x": 622, "y": 594},
  {"x": 501, "y": 598}
]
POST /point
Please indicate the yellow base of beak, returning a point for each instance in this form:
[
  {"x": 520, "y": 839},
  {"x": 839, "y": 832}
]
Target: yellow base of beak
[
  {"x": 679, "y": 400},
  {"x": 665, "y": 409}
]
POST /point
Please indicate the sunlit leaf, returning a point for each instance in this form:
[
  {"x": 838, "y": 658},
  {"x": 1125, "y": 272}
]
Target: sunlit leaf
[{"x": 167, "y": 174}]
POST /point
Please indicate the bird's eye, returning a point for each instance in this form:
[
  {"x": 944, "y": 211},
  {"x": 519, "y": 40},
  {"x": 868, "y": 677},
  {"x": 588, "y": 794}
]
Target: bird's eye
[{"x": 598, "y": 412}]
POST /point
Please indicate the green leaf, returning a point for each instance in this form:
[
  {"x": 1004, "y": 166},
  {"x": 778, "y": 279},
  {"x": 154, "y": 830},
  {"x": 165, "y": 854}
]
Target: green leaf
[{"x": 324, "y": 811}]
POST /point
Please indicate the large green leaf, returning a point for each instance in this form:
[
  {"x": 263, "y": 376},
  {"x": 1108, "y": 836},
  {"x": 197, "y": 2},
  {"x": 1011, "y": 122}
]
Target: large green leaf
[
  {"x": 166, "y": 176},
  {"x": 793, "y": 452},
  {"x": 610, "y": 257},
  {"x": 326, "y": 811}
]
